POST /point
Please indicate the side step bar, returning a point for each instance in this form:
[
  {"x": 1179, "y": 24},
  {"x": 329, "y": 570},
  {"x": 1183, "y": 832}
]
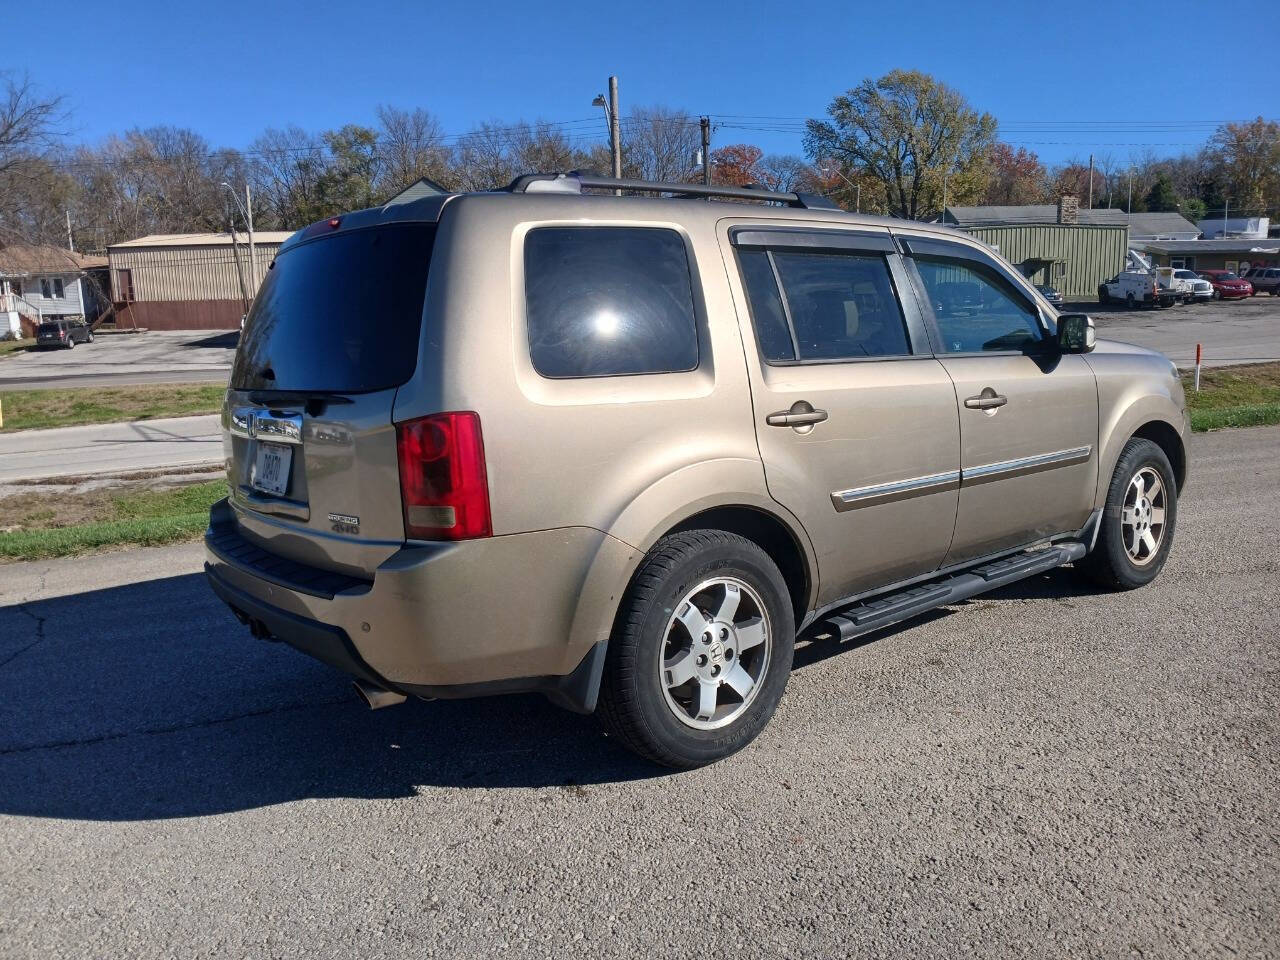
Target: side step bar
[{"x": 860, "y": 618}]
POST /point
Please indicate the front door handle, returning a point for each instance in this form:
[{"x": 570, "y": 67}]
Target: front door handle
[
  {"x": 801, "y": 414},
  {"x": 988, "y": 399}
]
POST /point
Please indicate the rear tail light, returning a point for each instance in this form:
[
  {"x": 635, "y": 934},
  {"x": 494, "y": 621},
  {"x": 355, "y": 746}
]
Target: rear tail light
[{"x": 443, "y": 483}]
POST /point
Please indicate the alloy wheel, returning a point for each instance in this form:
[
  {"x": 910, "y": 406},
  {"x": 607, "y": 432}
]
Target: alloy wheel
[
  {"x": 1142, "y": 518},
  {"x": 715, "y": 653}
]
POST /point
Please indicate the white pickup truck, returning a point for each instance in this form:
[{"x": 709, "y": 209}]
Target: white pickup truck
[{"x": 1136, "y": 288}]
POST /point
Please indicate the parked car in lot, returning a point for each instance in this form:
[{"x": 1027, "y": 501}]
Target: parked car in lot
[
  {"x": 1197, "y": 288},
  {"x": 623, "y": 450},
  {"x": 1050, "y": 294},
  {"x": 1264, "y": 280},
  {"x": 62, "y": 333},
  {"x": 1226, "y": 285},
  {"x": 1136, "y": 288}
]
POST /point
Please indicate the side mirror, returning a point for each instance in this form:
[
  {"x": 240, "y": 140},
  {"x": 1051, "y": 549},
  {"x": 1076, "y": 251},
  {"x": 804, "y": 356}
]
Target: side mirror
[{"x": 1076, "y": 333}]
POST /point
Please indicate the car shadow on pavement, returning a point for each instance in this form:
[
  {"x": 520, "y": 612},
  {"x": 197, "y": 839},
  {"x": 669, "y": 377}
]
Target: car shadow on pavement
[
  {"x": 227, "y": 340},
  {"x": 150, "y": 701}
]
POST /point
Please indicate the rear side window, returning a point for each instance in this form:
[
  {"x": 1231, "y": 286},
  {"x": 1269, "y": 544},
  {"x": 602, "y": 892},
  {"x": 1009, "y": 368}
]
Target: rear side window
[
  {"x": 341, "y": 313},
  {"x": 976, "y": 309},
  {"x": 836, "y": 306},
  {"x": 609, "y": 301}
]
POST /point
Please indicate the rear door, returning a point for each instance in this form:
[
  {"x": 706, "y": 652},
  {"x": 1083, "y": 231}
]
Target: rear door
[
  {"x": 1028, "y": 414},
  {"x": 855, "y": 419},
  {"x": 311, "y": 449}
]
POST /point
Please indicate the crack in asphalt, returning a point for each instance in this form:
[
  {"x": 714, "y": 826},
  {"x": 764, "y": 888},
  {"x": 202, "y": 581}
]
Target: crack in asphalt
[
  {"x": 176, "y": 728},
  {"x": 40, "y": 621}
]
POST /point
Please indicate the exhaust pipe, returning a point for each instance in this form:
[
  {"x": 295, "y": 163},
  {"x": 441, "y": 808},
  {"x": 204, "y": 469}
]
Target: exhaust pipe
[{"x": 375, "y": 697}]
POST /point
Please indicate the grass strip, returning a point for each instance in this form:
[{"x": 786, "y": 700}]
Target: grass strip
[
  {"x": 38, "y": 409},
  {"x": 136, "y": 518},
  {"x": 1240, "y": 396}
]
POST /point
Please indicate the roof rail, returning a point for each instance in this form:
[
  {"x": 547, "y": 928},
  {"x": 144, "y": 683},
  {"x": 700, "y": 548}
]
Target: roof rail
[{"x": 576, "y": 181}]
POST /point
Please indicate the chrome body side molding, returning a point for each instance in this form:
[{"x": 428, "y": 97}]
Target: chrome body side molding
[
  {"x": 857, "y": 497},
  {"x": 896, "y": 490}
]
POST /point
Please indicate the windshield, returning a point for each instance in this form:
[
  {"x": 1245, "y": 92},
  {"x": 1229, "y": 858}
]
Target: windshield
[
  {"x": 1186, "y": 275},
  {"x": 341, "y": 313},
  {"x": 49, "y": 328},
  {"x": 1226, "y": 276}
]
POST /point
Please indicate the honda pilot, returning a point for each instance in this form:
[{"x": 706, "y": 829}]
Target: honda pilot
[{"x": 624, "y": 450}]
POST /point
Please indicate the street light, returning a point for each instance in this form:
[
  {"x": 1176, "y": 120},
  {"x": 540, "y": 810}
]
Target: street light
[
  {"x": 246, "y": 211},
  {"x": 857, "y": 202},
  {"x": 615, "y": 134}
]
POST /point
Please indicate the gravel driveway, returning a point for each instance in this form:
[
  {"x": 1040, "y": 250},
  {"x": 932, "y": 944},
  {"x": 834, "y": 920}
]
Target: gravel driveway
[{"x": 1044, "y": 771}]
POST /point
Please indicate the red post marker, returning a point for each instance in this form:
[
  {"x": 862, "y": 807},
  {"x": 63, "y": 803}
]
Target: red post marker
[{"x": 1197, "y": 368}]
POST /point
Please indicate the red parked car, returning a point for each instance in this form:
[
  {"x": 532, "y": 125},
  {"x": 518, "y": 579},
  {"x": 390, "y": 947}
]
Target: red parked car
[{"x": 1226, "y": 285}]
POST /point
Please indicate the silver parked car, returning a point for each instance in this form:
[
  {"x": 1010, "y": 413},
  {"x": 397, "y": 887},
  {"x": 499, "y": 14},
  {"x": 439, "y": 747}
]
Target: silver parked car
[{"x": 623, "y": 450}]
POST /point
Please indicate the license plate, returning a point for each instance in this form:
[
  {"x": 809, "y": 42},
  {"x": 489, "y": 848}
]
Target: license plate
[{"x": 271, "y": 469}]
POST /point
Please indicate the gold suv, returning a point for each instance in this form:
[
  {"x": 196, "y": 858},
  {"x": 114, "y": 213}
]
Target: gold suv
[{"x": 623, "y": 450}]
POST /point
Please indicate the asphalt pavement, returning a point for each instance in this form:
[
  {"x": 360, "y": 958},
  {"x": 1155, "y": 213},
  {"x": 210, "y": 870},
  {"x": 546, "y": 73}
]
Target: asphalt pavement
[
  {"x": 186, "y": 356},
  {"x": 1045, "y": 771},
  {"x": 1232, "y": 331},
  {"x": 110, "y": 447}
]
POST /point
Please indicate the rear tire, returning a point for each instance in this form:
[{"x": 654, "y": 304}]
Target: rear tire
[
  {"x": 1138, "y": 521},
  {"x": 1129, "y": 301},
  {"x": 660, "y": 664}
]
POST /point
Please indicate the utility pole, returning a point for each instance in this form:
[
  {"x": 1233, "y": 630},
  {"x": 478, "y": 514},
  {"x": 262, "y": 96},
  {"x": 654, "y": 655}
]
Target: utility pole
[
  {"x": 70, "y": 243},
  {"x": 615, "y": 132},
  {"x": 1128, "y": 213},
  {"x": 253, "y": 257},
  {"x": 944, "y": 196},
  {"x": 1226, "y": 205},
  {"x": 1091, "y": 181},
  {"x": 706, "y": 150}
]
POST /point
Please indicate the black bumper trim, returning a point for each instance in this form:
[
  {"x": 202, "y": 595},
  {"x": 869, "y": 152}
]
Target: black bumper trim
[
  {"x": 228, "y": 545},
  {"x": 328, "y": 644}
]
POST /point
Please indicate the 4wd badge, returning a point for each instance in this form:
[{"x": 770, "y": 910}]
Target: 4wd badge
[{"x": 342, "y": 523}]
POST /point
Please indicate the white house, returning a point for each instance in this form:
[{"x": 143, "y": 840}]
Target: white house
[{"x": 38, "y": 282}]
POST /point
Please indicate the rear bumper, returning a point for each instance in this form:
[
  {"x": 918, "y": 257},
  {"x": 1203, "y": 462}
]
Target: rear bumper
[{"x": 500, "y": 615}]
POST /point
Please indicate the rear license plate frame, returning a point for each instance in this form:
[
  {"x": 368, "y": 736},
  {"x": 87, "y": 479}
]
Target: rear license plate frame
[{"x": 268, "y": 477}]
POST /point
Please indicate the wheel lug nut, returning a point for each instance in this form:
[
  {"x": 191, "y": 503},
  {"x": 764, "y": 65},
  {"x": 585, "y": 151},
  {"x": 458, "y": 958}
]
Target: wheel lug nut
[
  {"x": 702, "y": 660},
  {"x": 715, "y": 671},
  {"x": 706, "y": 637},
  {"x": 724, "y": 634},
  {"x": 728, "y": 654}
]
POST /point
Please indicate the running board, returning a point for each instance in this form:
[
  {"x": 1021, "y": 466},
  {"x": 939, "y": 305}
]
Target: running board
[{"x": 860, "y": 618}]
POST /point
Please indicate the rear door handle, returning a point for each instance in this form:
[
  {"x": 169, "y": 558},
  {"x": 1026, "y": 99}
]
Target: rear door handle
[
  {"x": 988, "y": 399},
  {"x": 801, "y": 414}
]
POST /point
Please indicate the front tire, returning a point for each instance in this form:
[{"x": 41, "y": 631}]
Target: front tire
[
  {"x": 1138, "y": 520},
  {"x": 701, "y": 650}
]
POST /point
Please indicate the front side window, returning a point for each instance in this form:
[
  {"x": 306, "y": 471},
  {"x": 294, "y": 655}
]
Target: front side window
[
  {"x": 836, "y": 306},
  {"x": 609, "y": 301},
  {"x": 976, "y": 309}
]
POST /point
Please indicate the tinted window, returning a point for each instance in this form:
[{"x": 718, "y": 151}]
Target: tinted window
[
  {"x": 976, "y": 308},
  {"x": 767, "y": 315},
  {"x": 341, "y": 313},
  {"x": 841, "y": 306},
  {"x": 608, "y": 301}
]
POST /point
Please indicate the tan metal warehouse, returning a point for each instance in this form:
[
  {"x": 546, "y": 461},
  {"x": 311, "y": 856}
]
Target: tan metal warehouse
[
  {"x": 1050, "y": 244},
  {"x": 187, "y": 281}
]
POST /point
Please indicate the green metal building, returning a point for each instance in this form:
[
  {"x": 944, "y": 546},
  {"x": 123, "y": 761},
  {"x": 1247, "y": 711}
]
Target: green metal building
[{"x": 1048, "y": 244}]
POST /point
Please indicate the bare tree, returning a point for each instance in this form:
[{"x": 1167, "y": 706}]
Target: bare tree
[
  {"x": 411, "y": 143},
  {"x": 659, "y": 143}
]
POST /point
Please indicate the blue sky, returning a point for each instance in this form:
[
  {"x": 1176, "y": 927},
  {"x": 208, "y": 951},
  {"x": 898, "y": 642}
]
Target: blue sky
[{"x": 1062, "y": 79}]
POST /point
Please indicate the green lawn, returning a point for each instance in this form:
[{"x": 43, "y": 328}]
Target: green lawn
[
  {"x": 9, "y": 347},
  {"x": 31, "y": 409},
  {"x": 1244, "y": 396},
  {"x": 136, "y": 517}
]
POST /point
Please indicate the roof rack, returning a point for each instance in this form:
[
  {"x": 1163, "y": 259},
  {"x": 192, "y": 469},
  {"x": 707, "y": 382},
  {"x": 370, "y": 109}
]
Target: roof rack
[{"x": 576, "y": 181}]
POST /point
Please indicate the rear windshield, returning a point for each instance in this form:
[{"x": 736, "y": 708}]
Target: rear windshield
[
  {"x": 341, "y": 313},
  {"x": 49, "y": 328}
]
